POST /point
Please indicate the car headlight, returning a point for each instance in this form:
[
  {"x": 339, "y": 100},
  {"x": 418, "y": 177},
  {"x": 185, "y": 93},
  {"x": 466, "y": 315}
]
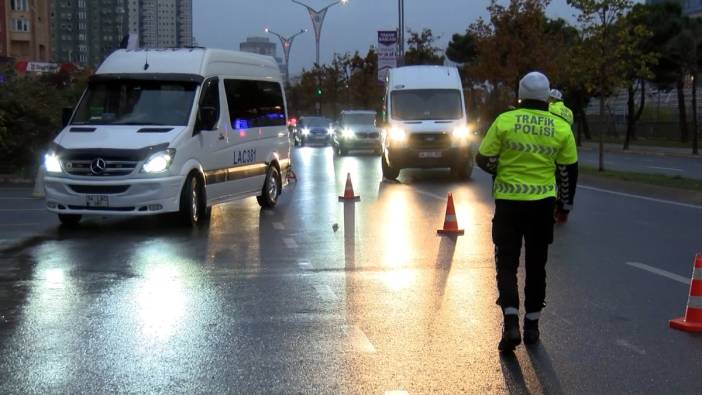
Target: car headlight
[
  {"x": 52, "y": 163},
  {"x": 305, "y": 131},
  {"x": 159, "y": 162},
  {"x": 397, "y": 134},
  {"x": 348, "y": 133},
  {"x": 461, "y": 132}
]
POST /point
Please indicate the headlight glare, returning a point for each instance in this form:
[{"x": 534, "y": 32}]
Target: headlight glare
[
  {"x": 305, "y": 131},
  {"x": 52, "y": 163},
  {"x": 398, "y": 134},
  {"x": 159, "y": 162},
  {"x": 461, "y": 132},
  {"x": 348, "y": 133}
]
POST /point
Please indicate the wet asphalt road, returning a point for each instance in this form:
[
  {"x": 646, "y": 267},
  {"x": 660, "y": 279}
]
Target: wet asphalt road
[
  {"x": 687, "y": 167},
  {"x": 280, "y": 302}
]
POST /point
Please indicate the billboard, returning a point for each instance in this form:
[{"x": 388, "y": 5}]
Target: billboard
[{"x": 387, "y": 52}]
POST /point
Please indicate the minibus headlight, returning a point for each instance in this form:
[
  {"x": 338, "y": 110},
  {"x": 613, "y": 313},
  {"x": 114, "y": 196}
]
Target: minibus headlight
[
  {"x": 52, "y": 163},
  {"x": 305, "y": 131},
  {"x": 461, "y": 132},
  {"x": 397, "y": 134},
  {"x": 348, "y": 133},
  {"x": 159, "y": 162}
]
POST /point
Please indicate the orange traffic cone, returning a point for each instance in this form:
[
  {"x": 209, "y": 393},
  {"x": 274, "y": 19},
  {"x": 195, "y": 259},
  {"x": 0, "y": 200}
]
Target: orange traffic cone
[
  {"x": 450, "y": 223},
  {"x": 348, "y": 192},
  {"x": 692, "y": 322}
]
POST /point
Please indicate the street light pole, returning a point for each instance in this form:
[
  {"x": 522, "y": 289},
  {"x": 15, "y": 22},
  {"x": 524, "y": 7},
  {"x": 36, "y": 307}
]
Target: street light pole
[
  {"x": 286, "y": 43},
  {"x": 317, "y": 17},
  {"x": 401, "y": 32}
]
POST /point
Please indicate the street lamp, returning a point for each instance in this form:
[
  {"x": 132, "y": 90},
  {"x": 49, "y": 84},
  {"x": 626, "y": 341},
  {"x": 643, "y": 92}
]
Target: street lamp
[
  {"x": 317, "y": 17},
  {"x": 286, "y": 43}
]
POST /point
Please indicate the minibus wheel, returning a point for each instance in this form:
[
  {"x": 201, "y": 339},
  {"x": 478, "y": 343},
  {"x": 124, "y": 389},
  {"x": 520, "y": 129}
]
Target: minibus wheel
[
  {"x": 271, "y": 188},
  {"x": 70, "y": 219},
  {"x": 193, "y": 208}
]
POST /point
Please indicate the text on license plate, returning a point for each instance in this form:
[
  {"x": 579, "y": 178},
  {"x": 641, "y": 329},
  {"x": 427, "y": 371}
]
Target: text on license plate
[
  {"x": 430, "y": 154},
  {"x": 97, "y": 201}
]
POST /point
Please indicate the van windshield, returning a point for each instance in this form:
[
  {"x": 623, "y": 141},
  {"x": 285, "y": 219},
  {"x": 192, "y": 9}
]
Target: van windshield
[
  {"x": 132, "y": 102},
  {"x": 358, "y": 119},
  {"x": 315, "y": 122},
  {"x": 426, "y": 104}
]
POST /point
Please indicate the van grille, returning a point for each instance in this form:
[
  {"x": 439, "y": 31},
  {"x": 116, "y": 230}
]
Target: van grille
[
  {"x": 99, "y": 189},
  {"x": 99, "y": 167},
  {"x": 430, "y": 141}
]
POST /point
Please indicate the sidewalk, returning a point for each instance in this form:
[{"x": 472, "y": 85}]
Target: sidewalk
[{"x": 642, "y": 150}]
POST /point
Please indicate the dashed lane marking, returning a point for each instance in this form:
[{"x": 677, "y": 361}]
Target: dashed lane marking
[
  {"x": 278, "y": 226},
  {"x": 289, "y": 242},
  {"x": 625, "y": 344},
  {"x": 429, "y": 194},
  {"x": 660, "y": 272},
  {"x": 305, "y": 265},
  {"x": 589, "y": 188},
  {"x": 359, "y": 341},
  {"x": 325, "y": 292},
  {"x": 665, "y": 168}
]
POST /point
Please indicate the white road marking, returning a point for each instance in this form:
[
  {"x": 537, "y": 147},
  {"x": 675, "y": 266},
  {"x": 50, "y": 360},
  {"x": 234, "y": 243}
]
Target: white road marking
[
  {"x": 325, "y": 292},
  {"x": 20, "y": 198},
  {"x": 278, "y": 226},
  {"x": 305, "y": 265},
  {"x": 625, "y": 344},
  {"x": 429, "y": 194},
  {"x": 665, "y": 168},
  {"x": 660, "y": 272},
  {"x": 22, "y": 209},
  {"x": 289, "y": 242},
  {"x": 359, "y": 341},
  {"x": 640, "y": 197},
  {"x": 396, "y": 392}
]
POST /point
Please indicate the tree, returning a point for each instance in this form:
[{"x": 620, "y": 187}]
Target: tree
[
  {"x": 640, "y": 57},
  {"x": 422, "y": 50},
  {"x": 686, "y": 51},
  {"x": 602, "y": 50}
]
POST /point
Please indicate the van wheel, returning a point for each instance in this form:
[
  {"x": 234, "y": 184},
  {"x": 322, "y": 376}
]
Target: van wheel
[
  {"x": 388, "y": 172},
  {"x": 271, "y": 189},
  {"x": 464, "y": 171},
  {"x": 193, "y": 207},
  {"x": 70, "y": 220}
]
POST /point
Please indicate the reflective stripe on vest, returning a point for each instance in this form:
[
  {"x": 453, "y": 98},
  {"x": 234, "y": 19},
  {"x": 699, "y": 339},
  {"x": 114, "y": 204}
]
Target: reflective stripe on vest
[
  {"x": 503, "y": 187},
  {"x": 532, "y": 148}
]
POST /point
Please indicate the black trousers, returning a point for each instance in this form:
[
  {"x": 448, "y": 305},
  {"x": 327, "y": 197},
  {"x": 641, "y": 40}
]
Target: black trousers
[{"x": 514, "y": 221}]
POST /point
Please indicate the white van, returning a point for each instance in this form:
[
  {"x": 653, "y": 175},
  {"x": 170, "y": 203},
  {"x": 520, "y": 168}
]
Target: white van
[
  {"x": 171, "y": 130},
  {"x": 426, "y": 125}
]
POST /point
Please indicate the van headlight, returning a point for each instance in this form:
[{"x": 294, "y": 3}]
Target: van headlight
[
  {"x": 52, "y": 163},
  {"x": 159, "y": 162},
  {"x": 398, "y": 134},
  {"x": 462, "y": 132},
  {"x": 348, "y": 133},
  {"x": 305, "y": 131}
]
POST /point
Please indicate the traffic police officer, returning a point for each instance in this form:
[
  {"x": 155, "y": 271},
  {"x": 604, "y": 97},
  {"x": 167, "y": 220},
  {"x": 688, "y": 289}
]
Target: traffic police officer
[
  {"x": 527, "y": 150},
  {"x": 557, "y": 107}
]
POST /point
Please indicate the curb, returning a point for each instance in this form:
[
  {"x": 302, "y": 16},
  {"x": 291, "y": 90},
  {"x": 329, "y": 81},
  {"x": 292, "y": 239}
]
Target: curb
[{"x": 642, "y": 153}]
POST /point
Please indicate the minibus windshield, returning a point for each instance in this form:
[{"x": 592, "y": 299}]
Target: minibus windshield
[
  {"x": 133, "y": 102},
  {"x": 427, "y": 104},
  {"x": 358, "y": 119}
]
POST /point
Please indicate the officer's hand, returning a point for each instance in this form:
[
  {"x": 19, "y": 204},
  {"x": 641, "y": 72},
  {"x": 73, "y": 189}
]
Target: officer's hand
[{"x": 560, "y": 214}]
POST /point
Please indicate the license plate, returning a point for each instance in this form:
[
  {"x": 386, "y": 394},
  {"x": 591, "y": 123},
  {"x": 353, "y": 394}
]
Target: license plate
[
  {"x": 430, "y": 154},
  {"x": 97, "y": 201}
]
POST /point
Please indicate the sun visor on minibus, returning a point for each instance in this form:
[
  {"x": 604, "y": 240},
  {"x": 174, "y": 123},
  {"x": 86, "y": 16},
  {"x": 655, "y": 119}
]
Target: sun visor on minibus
[{"x": 148, "y": 77}]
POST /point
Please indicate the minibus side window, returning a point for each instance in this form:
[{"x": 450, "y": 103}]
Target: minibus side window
[
  {"x": 209, "y": 98},
  {"x": 255, "y": 104}
]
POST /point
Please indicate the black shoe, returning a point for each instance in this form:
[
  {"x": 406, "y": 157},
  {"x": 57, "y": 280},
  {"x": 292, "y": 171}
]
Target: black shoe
[
  {"x": 531, "y": 331},
  {"x": 511, "y": 337}
]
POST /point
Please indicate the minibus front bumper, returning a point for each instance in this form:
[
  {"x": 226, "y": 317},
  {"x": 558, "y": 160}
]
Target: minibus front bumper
[{"x": 130, "y": 197}]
